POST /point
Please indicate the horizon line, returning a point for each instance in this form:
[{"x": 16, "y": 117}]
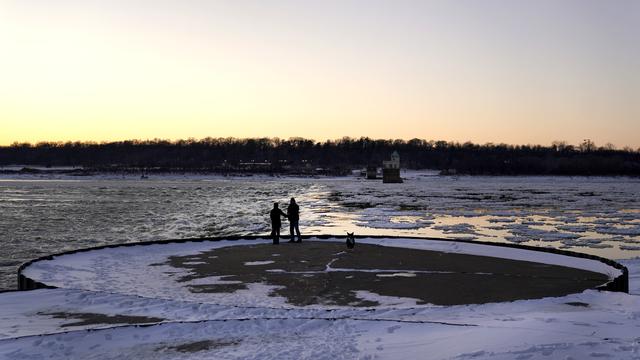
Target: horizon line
[{"x": 561, "y": 143}]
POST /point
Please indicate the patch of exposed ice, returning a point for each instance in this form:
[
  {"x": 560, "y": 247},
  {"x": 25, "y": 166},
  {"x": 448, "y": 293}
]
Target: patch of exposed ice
[
  {"x": 465, "y": 238},
  {"x": 517, "y": 239},
  {"x": 457, "y": 229},
  {"x": 390, "y": 218},
  {"x": 501, "y": 220},
  {"x": 574, "y": 228},
  {"x": 258, "y": 263},
  {"x": 532, "y": 223},
  {"x": 582, "y": 242},
  {"x": 630, "y": 247},
  {"x": 397, "y": 274},
  {"x": 212, "y": 280},
  {"x": 525, "y": 231},
  {"x": 614, "y": 230},
  {"x": 398, "y": 302}
]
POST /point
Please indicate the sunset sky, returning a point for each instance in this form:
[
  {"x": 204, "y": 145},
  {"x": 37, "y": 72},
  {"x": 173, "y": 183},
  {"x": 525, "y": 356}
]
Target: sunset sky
[{"x": 461, "y": 70}]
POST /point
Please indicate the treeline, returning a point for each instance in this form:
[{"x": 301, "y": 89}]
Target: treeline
[{"x": 279, "y": 155}]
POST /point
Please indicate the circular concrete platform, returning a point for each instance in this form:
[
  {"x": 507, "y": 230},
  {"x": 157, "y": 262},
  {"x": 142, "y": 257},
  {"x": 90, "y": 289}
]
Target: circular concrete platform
[{"x": 321, "y": 272}]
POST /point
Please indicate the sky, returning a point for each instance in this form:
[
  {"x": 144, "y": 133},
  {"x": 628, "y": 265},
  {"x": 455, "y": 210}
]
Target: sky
[{"x": 517, "y": 72}]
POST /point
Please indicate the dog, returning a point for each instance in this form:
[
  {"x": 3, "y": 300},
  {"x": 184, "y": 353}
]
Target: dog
[{"x": 351, "y": 241}]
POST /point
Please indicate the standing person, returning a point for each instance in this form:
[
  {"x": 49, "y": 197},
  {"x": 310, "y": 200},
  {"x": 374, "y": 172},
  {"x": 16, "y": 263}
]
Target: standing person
[
  {"x": 276, "y": 223},
  {"x": 293, "y": 214}
]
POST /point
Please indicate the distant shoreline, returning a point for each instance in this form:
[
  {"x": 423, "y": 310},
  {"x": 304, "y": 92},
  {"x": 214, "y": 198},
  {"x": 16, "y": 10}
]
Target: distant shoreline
[
  {"x": 26, "y": 171},
  {"x": 304, "y": 157}
]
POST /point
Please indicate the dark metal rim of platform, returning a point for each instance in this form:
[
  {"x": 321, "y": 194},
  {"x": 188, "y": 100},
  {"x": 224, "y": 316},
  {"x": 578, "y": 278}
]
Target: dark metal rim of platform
[{"x": 618, "y": 284}]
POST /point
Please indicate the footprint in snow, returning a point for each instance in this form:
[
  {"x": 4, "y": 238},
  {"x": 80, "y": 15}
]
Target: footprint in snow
[
  {"x": 600, "y": 355},
  {"x": 581, "y": 323},
  {"x": 392, "y": 329}
]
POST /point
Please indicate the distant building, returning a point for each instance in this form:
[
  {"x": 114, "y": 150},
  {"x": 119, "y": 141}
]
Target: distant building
[{"x": 391, "y": 169}]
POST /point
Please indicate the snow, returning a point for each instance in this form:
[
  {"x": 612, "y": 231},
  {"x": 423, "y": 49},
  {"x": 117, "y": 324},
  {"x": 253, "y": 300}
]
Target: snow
[
  {"x": 633, "y": 265},
  {"x": 531, "y": 329},
  {"x": 578, "y": 326},
  {"x": 257, "y": 263},
  {"x": 398, "y": 274},
  {"x": 212, "y": 280},
  {"x": 387, "y": 301}
]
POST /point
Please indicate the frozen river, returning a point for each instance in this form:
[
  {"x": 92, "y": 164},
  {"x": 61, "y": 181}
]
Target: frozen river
[{"x": 41, "y": 216}]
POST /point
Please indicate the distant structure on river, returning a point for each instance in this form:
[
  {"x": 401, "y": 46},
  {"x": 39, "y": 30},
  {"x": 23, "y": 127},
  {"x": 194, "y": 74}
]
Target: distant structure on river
[{"x": 391, "y": 169}]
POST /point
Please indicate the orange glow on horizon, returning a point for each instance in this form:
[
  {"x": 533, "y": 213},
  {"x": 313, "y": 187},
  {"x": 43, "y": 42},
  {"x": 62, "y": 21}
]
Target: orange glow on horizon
[{"x": 87, "y": 72}]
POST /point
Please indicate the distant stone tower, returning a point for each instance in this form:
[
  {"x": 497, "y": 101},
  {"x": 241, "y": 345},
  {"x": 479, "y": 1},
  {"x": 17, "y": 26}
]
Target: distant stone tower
[{"x": 391, "y": 169}]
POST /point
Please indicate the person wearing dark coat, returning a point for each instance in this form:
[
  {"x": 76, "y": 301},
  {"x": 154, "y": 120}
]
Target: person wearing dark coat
[
  {"x": 276, "y": 223},
  {"x": 293, "y": 214}
]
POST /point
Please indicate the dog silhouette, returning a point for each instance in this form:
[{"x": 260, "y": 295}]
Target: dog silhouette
[{"x": 351, "y": 241}]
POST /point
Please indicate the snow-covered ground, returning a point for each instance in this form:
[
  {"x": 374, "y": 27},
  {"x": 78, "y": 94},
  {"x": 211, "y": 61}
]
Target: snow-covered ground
[
  {"x": 591, "y": 324},
  {"x": 541, "y": 329}
]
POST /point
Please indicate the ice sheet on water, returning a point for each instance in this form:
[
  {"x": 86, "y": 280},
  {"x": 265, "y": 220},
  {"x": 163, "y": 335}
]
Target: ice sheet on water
[
  {"x": 517, "y": 239},
  {"x": 575, "y": 228},
  {"x": 389, "y": 218},
  {"x": 457, "y": 229},
  {"x": 630, "y": 247},
  {"x": 549, "y": 209},
  {"x": 593, "y": 243},
  {"x": 616, "y": 230}
]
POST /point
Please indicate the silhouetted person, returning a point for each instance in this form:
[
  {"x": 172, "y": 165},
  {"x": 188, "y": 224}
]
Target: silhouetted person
[
  {"x": 276, "y": 223},
  {"x": 293, "y": 213}
]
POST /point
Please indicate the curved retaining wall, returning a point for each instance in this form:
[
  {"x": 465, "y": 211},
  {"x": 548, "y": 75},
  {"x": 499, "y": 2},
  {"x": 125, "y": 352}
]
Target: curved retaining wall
[{"x": 619, "y": 284}]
